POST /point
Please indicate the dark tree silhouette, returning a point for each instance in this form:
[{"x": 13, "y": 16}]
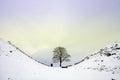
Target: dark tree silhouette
[{"x": 60, "y": 55}]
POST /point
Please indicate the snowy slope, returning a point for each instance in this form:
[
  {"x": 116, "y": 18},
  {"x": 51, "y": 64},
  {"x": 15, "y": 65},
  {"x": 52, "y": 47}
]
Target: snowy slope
[
  {"x": 16, "y": 65},
  {"x": 106, "y": 60}
]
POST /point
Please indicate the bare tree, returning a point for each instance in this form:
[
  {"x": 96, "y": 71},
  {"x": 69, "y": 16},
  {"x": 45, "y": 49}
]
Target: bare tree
[{"x": 60, "y": 55}]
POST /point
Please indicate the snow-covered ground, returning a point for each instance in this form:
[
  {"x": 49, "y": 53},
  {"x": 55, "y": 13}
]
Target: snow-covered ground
[{"x": 16, "y": 65}]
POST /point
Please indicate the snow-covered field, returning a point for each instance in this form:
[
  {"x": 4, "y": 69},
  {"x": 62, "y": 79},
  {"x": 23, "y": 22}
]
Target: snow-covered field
[{"x": 16, "y": 65}]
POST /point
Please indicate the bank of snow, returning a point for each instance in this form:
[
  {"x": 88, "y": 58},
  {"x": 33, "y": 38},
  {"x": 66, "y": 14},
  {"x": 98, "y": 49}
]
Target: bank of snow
[{"x": 16, "y": 65}]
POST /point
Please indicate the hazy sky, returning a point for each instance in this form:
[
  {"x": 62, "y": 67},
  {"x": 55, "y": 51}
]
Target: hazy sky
[{"x": 81, "y": 26}]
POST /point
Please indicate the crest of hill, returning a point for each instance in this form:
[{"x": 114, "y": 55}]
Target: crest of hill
[{"x": 8, "y": 50}]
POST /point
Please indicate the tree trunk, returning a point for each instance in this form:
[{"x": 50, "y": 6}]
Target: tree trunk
[
  {"x": 60, "y": 62},
  {"x": 60, "y": 57}
]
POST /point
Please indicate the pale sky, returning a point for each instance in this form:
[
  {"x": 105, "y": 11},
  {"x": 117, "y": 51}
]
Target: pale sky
[{"x": 81, "y": 26}]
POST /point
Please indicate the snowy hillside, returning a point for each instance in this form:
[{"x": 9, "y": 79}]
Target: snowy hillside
[
  {"x": 16, "y": 65},
  {"x": 107, "y": 59}
]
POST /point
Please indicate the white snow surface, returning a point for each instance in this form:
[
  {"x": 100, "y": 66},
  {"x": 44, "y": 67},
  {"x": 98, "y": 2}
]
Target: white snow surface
[{"x": 16, "y": 65}]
